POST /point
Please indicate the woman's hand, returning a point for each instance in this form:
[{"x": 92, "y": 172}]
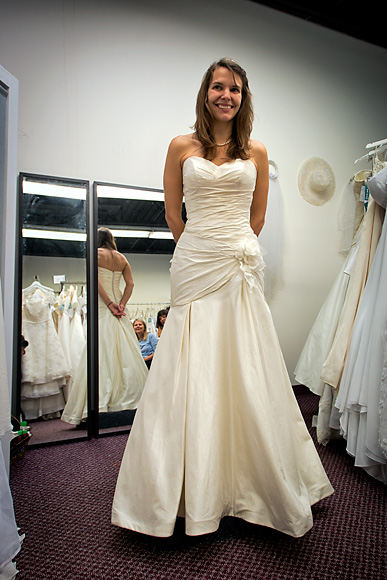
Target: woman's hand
[{"x": 116, "y": 309}]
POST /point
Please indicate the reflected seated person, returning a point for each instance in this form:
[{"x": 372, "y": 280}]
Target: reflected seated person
[
  {"x": 147, "y": 340},
  {"x": 161, "y": 318}
]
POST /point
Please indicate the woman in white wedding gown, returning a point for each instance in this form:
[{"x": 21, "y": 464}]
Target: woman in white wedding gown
[
  {"x": 122, "y": 371},
  {"x": 218, "y": 431}
]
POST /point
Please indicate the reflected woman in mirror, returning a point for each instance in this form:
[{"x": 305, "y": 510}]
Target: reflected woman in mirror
[
  {"x": 160, "y": 320},
  {"x": 218, "y": 431},
  {"x": 122, "y": 371},
  {"x": 147, "y": 341}
]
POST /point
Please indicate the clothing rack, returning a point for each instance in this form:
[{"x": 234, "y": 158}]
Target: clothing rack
[
  {"x": 62, "y": 284},
  {"x": 371, "y": 154},
  {"x": 147, "y": 311}
]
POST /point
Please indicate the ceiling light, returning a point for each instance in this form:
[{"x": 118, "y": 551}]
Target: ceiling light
[
  {"x": 115, "y": 192},
  {"x": 53, "y": 190},
  {"x": 53, "y": 235}
]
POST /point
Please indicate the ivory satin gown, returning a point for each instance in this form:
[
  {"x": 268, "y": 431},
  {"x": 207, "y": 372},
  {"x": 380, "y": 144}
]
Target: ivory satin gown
[
  {"x": 122, "y": 371},
  {"x": 218, "y": 430}
]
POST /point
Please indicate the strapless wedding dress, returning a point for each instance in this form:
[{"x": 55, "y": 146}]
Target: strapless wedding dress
[
  {"x": 218, "y": 431},
  {"x": 122, "y": 371}
]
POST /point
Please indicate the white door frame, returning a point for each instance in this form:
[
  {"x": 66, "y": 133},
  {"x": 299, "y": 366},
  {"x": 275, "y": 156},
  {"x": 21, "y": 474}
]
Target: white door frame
[{"x": 8, "y": 259}]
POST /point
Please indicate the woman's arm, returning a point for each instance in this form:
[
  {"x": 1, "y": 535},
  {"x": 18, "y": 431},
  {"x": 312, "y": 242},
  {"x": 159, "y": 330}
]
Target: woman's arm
[
  {"x": 152, "y": 341},
  {"x": 113, "y": 306},
  {"x": 259, "y": 203},
  {"x": 173, "y": 188},
  {"x": 129, "y": 284}
]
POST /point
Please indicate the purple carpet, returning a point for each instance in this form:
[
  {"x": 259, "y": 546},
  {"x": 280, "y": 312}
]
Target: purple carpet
[{"x": 63, "y": 495}]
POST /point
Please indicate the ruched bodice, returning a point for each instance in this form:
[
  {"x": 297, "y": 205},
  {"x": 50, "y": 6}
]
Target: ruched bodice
[
  {"x": 218, "y": 243},
  {"x": 111, "y": 282},
  {"x": 218, "y": 198}
]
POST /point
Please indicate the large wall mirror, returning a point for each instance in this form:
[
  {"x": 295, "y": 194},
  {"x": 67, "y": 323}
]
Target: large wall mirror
[
  {"x": 135, "y": 216},
  {"x": 53, "y": 288}
]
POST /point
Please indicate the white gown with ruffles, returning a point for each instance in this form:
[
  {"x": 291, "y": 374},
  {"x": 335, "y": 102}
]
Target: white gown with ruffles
[
  {"x": 45, "y": 369},
  {"x": 361, "y": 398},
  {"x": 218, "y": 430},
  {"x": 122, "y": 371}
]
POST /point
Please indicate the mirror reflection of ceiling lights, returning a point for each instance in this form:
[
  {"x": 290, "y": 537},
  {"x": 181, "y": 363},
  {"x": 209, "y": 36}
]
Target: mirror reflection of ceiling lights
[
  {"x": 116, "y": 192},
  {"x": 54, "y": 210}
]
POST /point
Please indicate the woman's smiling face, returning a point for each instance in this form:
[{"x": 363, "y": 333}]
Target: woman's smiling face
[
  {"x": 138, "y": 327},
  {"x": 224, "y": 95}
]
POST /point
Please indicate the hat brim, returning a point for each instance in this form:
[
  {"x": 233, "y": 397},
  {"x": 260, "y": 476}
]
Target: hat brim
[{"x": 306, "y": 170}]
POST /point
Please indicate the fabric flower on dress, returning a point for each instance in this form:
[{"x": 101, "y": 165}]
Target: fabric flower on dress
[{"x": 250, "y": 261}]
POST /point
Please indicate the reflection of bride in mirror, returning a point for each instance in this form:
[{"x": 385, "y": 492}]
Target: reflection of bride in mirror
[{"x": 122, "y": 371}]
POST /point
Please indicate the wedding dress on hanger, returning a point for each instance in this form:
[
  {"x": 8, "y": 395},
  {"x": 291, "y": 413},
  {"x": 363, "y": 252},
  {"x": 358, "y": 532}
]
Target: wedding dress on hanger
[
  {"x": 361, "y": 399},
  {"x": 70, "y": 331},
  {"x": 9, "y": 536},
  {"x": 323, "y": 331},
  {"x": 45, "y": 369},
  {"x": 371, "y": 228},
  {"x": 272, "y": 237}
]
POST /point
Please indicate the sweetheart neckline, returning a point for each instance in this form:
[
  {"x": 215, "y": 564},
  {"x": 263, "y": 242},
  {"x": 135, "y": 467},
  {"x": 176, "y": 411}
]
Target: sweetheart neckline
[{"x": 214, "y": 164}]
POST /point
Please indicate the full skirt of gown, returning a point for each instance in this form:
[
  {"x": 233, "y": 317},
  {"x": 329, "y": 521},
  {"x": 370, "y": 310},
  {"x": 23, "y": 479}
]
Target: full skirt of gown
[{"x": 218, "y": 430}]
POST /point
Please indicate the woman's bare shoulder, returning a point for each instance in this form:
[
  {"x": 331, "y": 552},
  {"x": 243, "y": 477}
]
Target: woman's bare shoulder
[
  {"x": 111, "y": 259},
  {"x": 258, "y": 156},
  {"x": 182, "y": 141},
  {"x": 257, "y": 149},
  {"x": 119, "y": 259},
  {"x": 183, "y": 146}
]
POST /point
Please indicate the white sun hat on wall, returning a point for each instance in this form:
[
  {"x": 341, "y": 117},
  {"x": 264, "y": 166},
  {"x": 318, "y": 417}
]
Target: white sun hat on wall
[{"x": 316, "y": 181}]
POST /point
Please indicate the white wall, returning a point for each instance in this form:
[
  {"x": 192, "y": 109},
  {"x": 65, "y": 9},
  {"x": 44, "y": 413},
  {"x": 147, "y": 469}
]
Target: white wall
[{"x": 105, "y": 85}]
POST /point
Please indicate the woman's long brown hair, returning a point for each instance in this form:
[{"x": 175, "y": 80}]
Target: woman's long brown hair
[
  {"x": 106, "y": 239},
  {"x": 242, "y": 122}
]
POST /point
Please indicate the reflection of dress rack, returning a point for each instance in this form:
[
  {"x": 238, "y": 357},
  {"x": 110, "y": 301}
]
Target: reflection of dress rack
[
  {"x": 63, "y": 284},
  {"x": 67, "y": 312},
  {"x": 44, "y": 366}
]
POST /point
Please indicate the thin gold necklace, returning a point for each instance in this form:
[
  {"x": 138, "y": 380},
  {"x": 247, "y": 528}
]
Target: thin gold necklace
[{"x": 223, "y": 144}]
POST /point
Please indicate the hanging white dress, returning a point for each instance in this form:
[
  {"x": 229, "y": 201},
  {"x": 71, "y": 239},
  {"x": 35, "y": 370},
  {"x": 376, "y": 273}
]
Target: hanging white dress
[
  {"x": 218, "y": 430},
  {"x": 371, "y": 228},
  {"x": 122, "y": 371},
  {"x": 272, "y": 237},
  {"x": 5, "y": 410},
  {"x": 359, "y": 396},
  {"x": 70, "y": 331},
  {"x": 318, "y": 345},
  {"x": 45, "y": 368},
  {"x": 9, "y": 537},
  {"x": 320, "y": 339}
]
